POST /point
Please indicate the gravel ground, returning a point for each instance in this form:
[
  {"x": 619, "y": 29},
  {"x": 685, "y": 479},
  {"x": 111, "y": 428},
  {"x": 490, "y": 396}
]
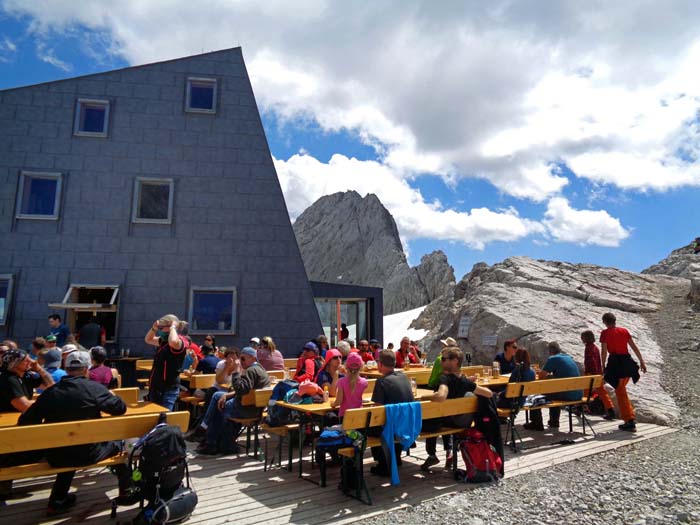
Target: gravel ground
[{"x": 649, "y": 483}]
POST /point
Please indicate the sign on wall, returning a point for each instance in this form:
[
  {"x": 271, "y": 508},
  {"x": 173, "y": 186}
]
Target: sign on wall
[
  {"x": 489, "y": 340},
  {"x": 463, "y": 330}
]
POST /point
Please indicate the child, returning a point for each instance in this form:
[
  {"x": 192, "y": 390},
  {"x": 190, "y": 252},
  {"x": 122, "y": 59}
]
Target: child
[
  {"x": 592, "y": 365},
  {"x": 351, "y": 387}
]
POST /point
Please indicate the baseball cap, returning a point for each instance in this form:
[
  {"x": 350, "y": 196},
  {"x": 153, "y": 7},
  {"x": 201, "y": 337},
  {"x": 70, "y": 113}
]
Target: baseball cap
[
  {"x": 52, "y": 359},
  {"x": 249, "y": 351},
  {"x": 449, "y": 341},
  {"x": 255, "y": 340},
  {"x": 50, "y": 338},
  {"x": 374, "y": 342},
  {"x": 354, "y": 361},
  {"x": 311, "y": 346},
  {"x": 78, "y": 359}
]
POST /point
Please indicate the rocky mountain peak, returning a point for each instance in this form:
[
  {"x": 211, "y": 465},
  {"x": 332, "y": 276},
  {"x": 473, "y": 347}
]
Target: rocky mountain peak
[
  {"x": 349, "y": 239},
  {"x": 682, "y": 262}
]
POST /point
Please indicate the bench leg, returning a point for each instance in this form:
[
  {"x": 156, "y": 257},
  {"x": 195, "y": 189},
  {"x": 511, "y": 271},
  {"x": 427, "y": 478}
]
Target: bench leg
[{"x": 256, "y": 442}]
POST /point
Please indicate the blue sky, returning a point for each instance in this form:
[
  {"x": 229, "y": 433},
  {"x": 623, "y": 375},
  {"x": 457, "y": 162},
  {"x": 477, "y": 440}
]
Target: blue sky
[{"x": 569, "y": 159}]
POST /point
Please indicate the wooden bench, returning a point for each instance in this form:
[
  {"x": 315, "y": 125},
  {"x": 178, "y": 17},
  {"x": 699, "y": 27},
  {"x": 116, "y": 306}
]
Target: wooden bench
[
  {"x": 144, "y": 365},
  {"x": 52, "y": 435},
  {"x": 516, "y": 392},
  {"x": 362, "y": 419},
  {"x": 290, "y": 364}
]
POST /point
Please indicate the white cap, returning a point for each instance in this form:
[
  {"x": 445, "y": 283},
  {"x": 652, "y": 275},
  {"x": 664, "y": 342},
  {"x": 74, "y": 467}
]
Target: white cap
[{"x": 255, "y": 340}]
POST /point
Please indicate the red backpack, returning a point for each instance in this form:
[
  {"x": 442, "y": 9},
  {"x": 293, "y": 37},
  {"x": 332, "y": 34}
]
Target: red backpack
[{"x": 481, "y": 459}]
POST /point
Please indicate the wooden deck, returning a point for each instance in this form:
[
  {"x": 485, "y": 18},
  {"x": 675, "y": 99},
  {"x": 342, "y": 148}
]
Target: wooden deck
[{"x": 235, "y": 488}]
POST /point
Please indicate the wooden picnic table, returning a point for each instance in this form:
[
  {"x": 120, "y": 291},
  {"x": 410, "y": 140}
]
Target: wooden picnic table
[
  {"x": 9, "y": 419},
  {"x": 420, "y": 373}
]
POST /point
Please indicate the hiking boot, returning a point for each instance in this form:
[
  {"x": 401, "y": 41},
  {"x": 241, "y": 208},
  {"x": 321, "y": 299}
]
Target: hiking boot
[
  {"x": 56, "y": 507},
  {"x": 610, "y": 415},
  {"x": 430, "y": 461},
  {"x": 448, "y": 460},
  {"x": 533, "y": 426},
  {"x": 196, "y": 435},
  {"x": 629, "y": 426},
  {"x": 206, "y": 450}
]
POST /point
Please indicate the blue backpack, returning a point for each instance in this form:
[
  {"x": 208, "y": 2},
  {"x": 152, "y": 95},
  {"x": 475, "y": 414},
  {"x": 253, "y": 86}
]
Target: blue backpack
[{"x": 278, "y": 416}]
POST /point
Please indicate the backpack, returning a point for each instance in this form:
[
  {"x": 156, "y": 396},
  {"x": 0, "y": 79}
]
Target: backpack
[
  {"x": 279, "y": 416},
  {"x": 483, "y": 464}
]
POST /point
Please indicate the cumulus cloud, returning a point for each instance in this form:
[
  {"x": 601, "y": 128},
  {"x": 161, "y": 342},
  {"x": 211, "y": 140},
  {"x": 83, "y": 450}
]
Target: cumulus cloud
[
  {"x": 566, "y": 224},
  {"x": 494, "y": 90},
  {"x": 304, "y": 179}
]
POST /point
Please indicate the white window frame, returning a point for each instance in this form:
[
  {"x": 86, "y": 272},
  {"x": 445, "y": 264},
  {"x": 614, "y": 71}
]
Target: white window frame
[
  {"x": 234, "y": 309},
  {"x": 57, "y": 200},
  {"x": 8, "y": 299},
  {"x": 201, "y": 80},
  {"x": 65, "y": 304},
  {"x": 76, "y": 123},
  {"x": 137, "y": 192}
]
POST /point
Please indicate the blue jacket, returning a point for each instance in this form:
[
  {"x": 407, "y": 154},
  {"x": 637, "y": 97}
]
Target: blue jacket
[{"x": 403, "y": 421}]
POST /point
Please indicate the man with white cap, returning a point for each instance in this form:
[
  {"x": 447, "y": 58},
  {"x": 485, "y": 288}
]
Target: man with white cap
[
  {"x": 76, "y": 398},
  {"x": 254, "y": 342}
]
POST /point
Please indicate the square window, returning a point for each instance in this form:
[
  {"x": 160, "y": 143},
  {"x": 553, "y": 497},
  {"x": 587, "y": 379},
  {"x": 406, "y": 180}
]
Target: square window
[
  {"x": 213, "y": 310},
  {"x": 201, "y": 95},
  {"x": 39, "y": 195},
  {"x": 153, "y": 201},
  {"x": 5, "y": 297},
  {"x": 91, "y": 118}
]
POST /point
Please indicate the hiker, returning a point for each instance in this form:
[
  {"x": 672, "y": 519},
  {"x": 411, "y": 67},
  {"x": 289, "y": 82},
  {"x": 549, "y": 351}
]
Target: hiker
[
  {"x": 558, "y": 365},
  {"x": 620, "y": 366},
  {"x": 506, "y": 358},
  {"x": 329, "y": 375},
  {"x": 351, "y": 386},
  {"x": 406, "y": 353},
  {"x": 592, "y": 365},
  {"x": 451, "y": 385},
  {"x": 164, "y": 383}
]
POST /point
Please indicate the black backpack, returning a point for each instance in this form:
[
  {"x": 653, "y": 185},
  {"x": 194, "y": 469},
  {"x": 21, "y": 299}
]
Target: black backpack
[
  {"x": 157, "y": 468},
  {"x": 278, "y": 416}
]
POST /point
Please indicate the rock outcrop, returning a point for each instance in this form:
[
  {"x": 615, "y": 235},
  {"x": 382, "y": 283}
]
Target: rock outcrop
[
  {"x": 347, "y": 239},
  {"x": 541, "y": 301},
  {"x": 680, "y": 263}
]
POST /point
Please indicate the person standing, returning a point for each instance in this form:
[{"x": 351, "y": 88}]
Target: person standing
[
  {"x": 164, "y": 383},
  {"x": 92, "y": 334},
  {"x": 592, "y": 365},
  {"x": 620, "y": 366},
  {"x": 58, "y": 329}
]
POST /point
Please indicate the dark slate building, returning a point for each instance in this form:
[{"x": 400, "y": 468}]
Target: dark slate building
[{"x": 144, "y": 191}]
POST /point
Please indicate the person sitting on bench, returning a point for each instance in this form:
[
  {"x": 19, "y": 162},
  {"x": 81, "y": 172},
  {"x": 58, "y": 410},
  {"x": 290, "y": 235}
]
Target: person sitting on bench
[
  {"x": 451, "y": 385},
  {"x": 74, "y": 398},
  {"x": 558, "y": 365}
]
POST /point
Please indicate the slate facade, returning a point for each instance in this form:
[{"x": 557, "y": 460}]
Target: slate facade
[{"x": 230, "y": 226}]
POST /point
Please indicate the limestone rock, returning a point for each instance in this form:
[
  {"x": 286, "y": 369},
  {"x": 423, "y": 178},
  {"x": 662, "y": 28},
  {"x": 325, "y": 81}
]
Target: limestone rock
[
  {"x": 347, "y": 239},
  {"x": 540, "y": 301},
  {"x": 680, "y": 263}
]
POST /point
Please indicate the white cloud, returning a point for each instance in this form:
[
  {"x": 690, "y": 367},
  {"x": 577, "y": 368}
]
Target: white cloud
[
  {"x": 48, "y": 55},
  {"x": 565, "y": 224},
  {"x": 494, "y": 90},
  {"x": 304, "y": 179},
  {"x": 8, "y": 49}
]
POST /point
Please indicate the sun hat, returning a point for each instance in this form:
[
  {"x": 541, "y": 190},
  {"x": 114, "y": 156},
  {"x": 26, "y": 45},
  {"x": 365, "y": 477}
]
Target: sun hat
[{"x": 449, "y": 341}]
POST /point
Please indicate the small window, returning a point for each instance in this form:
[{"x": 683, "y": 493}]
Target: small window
[
  {"x": 201, "y": 95},
  {"x": 213, "y": 310},
  {"x": 153, "y": 201},
  {"x": 5, "y": 297},
  {"x": 39, "y": 195},
  {"x": 83, "y": 302},
  {"x": 91, "y": 118}
]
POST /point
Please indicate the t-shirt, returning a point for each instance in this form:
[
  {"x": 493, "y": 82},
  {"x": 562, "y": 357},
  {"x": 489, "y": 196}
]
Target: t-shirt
[
  {"x": 505, "y": 365},
  {"x": 392, "y": 388},
  {"x": 457, "y": 386},
  {"x": 61, "y": 332},
  {"x": 401, "y": 360},
  {"x": 563, "y": 365},
  {"x": 591, "y": 360},
  {"x": 616, "y": 338},
  {"x": 227, "y": 379},
  {"x": 13, "y": 387},
  {"x": 351, "y": 399},
  {"x": 101, "y": 374},
  {"x": 324, "y": 377},
  {"x": 167, "y": 365},
  {"x": 208, "y": 364},
  {"x": 56, "y": 374},
  {"x": 270, "y": 359}
]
